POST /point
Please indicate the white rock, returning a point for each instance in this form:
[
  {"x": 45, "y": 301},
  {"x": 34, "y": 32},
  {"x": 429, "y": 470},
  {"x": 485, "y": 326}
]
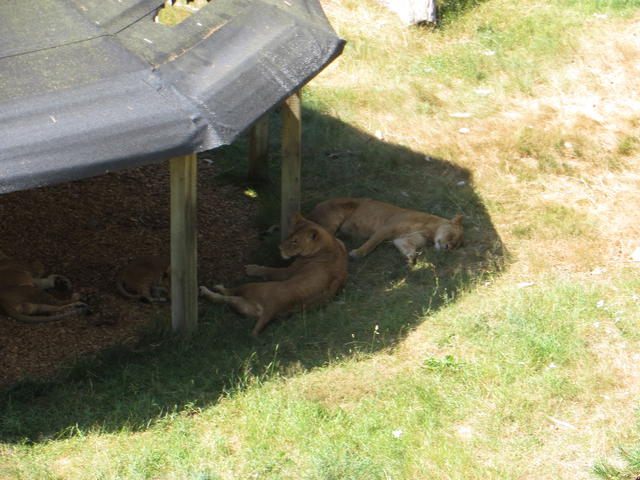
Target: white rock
[{"x": 412, "y": 12}]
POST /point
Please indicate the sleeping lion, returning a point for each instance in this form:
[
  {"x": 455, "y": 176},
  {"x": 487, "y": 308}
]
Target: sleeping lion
[
  {"x": 319, "y": 270},
  {"x": 379, "y": 221},
  {"x": 23, "y": 295}
]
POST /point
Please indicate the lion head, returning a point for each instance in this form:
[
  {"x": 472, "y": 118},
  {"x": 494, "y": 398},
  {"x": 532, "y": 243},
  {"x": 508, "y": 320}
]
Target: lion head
[
  {"x": 306, "y": 238},
  {"x": 450, "y": 234}
]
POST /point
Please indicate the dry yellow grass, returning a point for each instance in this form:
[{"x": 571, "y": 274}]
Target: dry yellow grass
[{"x": 559, "y": 145}]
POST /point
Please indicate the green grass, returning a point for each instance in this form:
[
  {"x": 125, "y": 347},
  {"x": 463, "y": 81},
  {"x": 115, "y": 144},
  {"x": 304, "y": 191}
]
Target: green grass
[
  {"x": 513, "y": 361},
  {"x": 628, "y": 145},
  {"x": 631, "y": 458},
  {"x": 505, "y": 359}
]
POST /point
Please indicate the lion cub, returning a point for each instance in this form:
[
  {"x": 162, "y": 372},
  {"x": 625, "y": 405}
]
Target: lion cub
[
  {"x": 23, "y": 296},
  {"x": 146, "y": 279},
  {"x": 317, "y": 273},
  {"x": 379, "y": 221}
]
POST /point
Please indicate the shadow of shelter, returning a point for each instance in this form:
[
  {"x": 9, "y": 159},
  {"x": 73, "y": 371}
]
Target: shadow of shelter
[{"x": 382, "y": 301}]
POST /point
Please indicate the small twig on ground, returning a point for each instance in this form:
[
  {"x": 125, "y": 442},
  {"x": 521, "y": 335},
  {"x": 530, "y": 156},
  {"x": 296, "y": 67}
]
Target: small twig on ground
[{"x": 562, "y": 423}]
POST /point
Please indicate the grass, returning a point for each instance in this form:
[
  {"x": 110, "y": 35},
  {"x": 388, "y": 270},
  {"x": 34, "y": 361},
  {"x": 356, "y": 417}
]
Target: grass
[{"x": 511, "y": 358}]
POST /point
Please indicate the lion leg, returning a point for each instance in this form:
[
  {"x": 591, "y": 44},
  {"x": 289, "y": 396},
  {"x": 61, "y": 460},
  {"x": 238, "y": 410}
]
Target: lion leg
[
  {"x": 159, "y": 293},
  {"x": 44, "y": 283},
  {"x": 146, "y": 295},
  {"x": 270, "y": 273},
  {"x": 221, "y": 289},
  {"x": 49, "y": 304},
  {"x": 239, "y": 304},
  {"x": 262, "y": 322},
  {"x": 47, "y": 309},
  {"x": 373, "y": 241},
  {"x": 408, "y": 245},
  {"x": 254, "y": 270},
  {"x": 57, "y": 282}
]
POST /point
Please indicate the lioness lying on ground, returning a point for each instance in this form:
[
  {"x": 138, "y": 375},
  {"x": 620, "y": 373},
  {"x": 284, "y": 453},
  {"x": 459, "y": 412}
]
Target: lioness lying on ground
[
  {"x": 317, "y": 273},
  {"x": 145, "y": 278},
  {"x": 378, "y": 221},
  {"x": 23, "y": 296}
]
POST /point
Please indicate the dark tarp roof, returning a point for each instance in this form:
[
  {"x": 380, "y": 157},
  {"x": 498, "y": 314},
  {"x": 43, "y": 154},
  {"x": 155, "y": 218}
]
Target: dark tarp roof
[{"x": 90, "y": 86}]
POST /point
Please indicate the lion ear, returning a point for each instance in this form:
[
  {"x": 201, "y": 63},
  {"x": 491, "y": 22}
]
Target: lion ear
[
  {"x": 457, "y": 220},
  {"x": 296, "y": 218},
  {"x": 314, "y": 234}
]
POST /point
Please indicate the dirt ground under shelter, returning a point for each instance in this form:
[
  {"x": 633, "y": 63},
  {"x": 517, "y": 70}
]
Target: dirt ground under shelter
[{"x": 86, "y": 230}]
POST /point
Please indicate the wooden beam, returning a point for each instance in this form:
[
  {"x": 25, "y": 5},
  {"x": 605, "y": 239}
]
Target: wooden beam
[
  {"x": 291, "y": 153},
  {"x": 184, "y": 243},
  {"x": 259, "y": 151}
]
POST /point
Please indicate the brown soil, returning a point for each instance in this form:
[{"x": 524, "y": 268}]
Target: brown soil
[{"x": 86, "y": 230}]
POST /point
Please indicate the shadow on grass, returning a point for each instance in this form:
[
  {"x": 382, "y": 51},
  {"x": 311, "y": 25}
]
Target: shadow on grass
[
  {"x": 449, "y": 10},
  {"x": 382, "y": 301}
]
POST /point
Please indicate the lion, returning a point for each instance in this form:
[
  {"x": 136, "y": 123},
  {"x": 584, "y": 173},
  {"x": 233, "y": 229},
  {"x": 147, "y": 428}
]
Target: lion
[
  {"x": 314, "y": 277},
  {"x": 379, "y": 221},
  {"x": 23, "y": 296},
  {"x": 145, "y": 278}
]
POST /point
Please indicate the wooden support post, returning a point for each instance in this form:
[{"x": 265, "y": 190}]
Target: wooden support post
[
  {"x": 259, "y": 150},
  {"x": 184, "y": 243},
  {"x": 291, "y": 153}
]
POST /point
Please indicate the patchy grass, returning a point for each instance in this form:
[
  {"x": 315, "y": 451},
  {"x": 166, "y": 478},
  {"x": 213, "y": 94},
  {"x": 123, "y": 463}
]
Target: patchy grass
[
  {"x": 513, "y": 357},
  {"x": 174, "y": 12}
]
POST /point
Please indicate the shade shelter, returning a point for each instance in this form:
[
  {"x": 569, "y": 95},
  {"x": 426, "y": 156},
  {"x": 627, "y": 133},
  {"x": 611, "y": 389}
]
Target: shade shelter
[{"x": 90, "y": 86}]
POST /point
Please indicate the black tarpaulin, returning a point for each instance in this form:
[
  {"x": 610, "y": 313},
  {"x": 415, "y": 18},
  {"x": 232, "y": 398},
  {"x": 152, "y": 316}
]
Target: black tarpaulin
[{"x": 91, "y": 86}]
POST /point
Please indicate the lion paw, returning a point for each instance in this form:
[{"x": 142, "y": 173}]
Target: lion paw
[
  {"x": 355, "y": 254},
  {"x": 254, "y": 270}
]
